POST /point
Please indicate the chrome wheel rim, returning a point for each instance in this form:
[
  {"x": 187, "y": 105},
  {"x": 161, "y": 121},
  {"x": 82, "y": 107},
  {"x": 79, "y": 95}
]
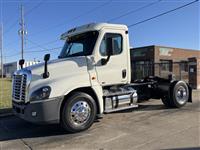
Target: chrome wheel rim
[
  {"x": 181, "y": 95},
  {"x": 80, "y": 113}
]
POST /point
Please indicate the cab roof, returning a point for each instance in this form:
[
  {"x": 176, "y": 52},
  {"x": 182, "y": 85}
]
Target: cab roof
[{"x": 91, "y": 27}]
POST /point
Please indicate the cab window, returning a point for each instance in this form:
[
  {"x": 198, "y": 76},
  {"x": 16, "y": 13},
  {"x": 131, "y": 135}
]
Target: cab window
[{"x": 117, "y": 44}]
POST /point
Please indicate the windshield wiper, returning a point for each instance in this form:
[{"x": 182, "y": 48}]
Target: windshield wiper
[{"x": 69, "y": 50}]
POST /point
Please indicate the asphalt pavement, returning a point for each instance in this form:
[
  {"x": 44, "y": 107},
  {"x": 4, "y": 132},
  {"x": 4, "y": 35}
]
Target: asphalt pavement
[{"x": 151, "y": 126}]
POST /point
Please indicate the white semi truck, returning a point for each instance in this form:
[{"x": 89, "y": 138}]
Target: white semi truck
[{"x": 91, "y": 77}]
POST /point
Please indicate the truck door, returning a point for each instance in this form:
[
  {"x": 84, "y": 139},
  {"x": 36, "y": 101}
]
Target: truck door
[{"x": 115, "y": 71}]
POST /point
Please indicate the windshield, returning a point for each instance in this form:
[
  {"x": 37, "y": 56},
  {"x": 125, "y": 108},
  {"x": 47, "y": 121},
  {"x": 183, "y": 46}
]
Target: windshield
[{"x": 79, "y": 45}]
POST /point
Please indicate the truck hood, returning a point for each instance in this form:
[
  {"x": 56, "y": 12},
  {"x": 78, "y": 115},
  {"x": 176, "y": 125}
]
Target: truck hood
[
  {"x": 65, "y": 75},
  {"x": 59, "y": 69}
]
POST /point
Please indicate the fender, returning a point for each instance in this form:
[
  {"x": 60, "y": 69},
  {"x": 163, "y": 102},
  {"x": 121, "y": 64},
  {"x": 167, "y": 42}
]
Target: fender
[{"x": 95, "y": 92}]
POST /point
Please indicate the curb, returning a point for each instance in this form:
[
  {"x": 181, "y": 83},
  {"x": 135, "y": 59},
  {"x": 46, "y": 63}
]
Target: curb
[{"x": 6, "y": 112}]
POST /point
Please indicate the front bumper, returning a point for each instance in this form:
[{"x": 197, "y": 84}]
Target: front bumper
[{"x": 41, "y": 112}]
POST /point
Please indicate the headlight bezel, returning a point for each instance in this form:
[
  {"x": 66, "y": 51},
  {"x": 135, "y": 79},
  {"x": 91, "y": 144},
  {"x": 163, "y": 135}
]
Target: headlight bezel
[{"x": 40, "y": 94}]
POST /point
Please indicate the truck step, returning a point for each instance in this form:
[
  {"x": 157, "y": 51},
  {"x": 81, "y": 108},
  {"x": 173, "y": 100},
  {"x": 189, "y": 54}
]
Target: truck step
[{"x": 120, "y": 109}]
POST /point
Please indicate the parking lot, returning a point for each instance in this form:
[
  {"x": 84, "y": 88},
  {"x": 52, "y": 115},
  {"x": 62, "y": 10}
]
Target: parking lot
[{"x": 151, "y": 126}]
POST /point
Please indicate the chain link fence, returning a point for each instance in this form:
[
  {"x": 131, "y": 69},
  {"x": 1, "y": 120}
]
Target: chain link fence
[{"x": 5, "y": 93}]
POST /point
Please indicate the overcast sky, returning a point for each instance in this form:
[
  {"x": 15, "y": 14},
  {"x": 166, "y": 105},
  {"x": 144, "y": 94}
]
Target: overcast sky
[{"x": 46, "y": 20}]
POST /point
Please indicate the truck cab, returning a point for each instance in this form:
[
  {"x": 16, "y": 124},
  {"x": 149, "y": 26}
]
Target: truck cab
[{"x": 91, "y": 76}]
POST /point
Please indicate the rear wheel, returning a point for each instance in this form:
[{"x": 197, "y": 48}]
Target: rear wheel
[
  {"x": 179, "y": 95},
  {"x": 78, "y": 113}
]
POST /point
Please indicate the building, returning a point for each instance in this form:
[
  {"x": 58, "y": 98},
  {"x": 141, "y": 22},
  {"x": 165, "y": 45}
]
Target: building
[
  {"x": 10, "y": 68},
  {"x": 162, "y": 61}
]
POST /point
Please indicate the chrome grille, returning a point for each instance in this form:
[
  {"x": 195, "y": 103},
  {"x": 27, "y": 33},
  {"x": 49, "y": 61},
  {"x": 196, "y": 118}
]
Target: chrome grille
[{"x": 19, "y": 88}]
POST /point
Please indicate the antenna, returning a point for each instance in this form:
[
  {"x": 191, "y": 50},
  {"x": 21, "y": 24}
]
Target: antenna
[{"x": 22, "y": 31}]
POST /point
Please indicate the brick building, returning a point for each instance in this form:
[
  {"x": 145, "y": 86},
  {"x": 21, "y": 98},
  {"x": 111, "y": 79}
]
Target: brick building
[{"x": 161, "y": 61}]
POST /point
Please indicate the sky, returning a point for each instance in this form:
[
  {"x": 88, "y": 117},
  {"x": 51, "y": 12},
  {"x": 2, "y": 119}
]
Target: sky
[{"x": 46, "y": 20}]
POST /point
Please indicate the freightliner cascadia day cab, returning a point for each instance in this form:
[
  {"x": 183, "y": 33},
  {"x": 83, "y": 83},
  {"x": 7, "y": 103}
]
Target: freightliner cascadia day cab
[{"x": 91, "y": 77}]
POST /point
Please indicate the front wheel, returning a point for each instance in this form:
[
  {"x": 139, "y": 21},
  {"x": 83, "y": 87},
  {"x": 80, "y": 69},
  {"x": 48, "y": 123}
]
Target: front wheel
[{"x": 78, "y": 113}]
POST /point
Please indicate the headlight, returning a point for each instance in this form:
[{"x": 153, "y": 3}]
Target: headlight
[{"x": 41, "y": 94}]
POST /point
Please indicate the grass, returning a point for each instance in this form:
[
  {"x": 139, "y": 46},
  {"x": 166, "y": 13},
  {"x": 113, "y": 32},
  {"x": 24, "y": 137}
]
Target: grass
[{"x": 5, "y": 93}]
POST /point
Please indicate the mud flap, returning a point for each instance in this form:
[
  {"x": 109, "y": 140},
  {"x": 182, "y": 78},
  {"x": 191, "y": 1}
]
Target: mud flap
[{"x": 190, "y": 93}]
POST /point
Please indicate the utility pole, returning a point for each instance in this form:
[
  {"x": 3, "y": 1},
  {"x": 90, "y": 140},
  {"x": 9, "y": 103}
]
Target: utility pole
[
  {"x": 22, "y": 31},
  {"x": 1, "y": 40}
]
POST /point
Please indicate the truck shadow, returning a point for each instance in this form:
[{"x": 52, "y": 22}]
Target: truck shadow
[
  {"x": 150, "y": 107},
  {"x": 13, "y": 128},
  {"x": 146, "y": 107}
]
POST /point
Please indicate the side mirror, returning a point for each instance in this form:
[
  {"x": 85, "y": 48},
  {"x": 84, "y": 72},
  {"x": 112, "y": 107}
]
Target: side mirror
[
  {"x": 109, "y": 51},
  {"x": 103, "y": 61},
  {"x": 46, "y": 59},
  {"x": 21, "y": 63}
]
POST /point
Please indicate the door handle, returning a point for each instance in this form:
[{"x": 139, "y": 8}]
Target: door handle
[{"x": 124, "y": 73}]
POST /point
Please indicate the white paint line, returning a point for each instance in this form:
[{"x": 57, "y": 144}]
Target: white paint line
[{"x": 115, "y": 138}]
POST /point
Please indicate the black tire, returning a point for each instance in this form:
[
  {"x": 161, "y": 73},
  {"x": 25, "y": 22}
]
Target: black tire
[
  {"x": 166, "y": 102},
  {"x": 178, "y": 95},
  {"x": 180, "y": 102},
  {"x": 69, "y": 121}
]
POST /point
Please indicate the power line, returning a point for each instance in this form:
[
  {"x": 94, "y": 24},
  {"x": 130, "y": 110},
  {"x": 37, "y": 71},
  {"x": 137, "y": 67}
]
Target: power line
[
  {"x": 134, "y": 11},
  {"x": 51, "y": 49},
  {"x": 75, "y": 18},
  {"x": 94, "y": 9},
  {"x": 162, "y": 14},
  {"x": 90, "y": 11},
  {"x": 14, "y": 24},
  {"x": 33, "y": 47},
  {"x": 25, "y": 14},
  {"x": 34, "y": 7},
  {"x": 140, "y": 22},
  {"x": 34, "y": 43},
  {"x": 47, "y": 43},
  {"x": 153, "y": 16},
  {"x": 38, "y": 51}
]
